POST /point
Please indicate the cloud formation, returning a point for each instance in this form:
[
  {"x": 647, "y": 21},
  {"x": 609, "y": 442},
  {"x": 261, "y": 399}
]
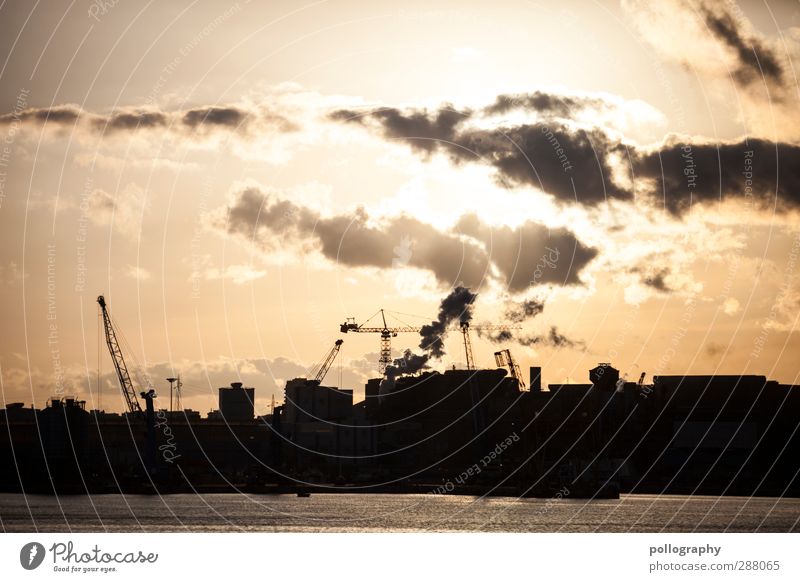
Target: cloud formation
[
  {"x": 422, "y": 130},
  {"x": 544, "y": 103},
  {"x": 530, "y": 254},
  {"x": 469, "y": 255},
  {"x": 762, "y": 172},
  {"x": 755, "y": 60},
  {"x": 571, "y": 164},
  {"x": 231, "y": 118},
  {"x": 61, "y": 114},
  {"x": 578, "y": 166},
  {"x": 718, "y": 43}
]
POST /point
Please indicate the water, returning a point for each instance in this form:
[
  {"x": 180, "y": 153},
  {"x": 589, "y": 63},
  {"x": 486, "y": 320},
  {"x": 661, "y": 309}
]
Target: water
[{"x": 391, "y": 513}]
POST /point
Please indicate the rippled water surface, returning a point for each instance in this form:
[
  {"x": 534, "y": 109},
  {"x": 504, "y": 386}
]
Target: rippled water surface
[{"x": 384, "y": 513}]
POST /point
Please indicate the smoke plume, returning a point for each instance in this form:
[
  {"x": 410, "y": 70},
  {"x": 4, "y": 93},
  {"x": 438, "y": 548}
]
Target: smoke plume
[
  {"x": 519, "y": 312},
  {"x": 409, "y": 363},
  {"x": 456, "y": 306},
  {"x": 553, "y": 338}
]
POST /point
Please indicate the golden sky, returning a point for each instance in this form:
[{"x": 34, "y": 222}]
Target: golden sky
[{"x": 237, "y": 179}]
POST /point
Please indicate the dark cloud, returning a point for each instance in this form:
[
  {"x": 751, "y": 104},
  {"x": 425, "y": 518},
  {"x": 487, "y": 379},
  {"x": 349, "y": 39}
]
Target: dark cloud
[
  {"x": 225, "y": 116},
  {"x": 228, "y": 117},
  {"x": 756, "y": 62},
  {"x": 531, "y": 254},
  {"x": 656, "y": 281},
  {"x": 63, "y": 114},
  {"x": 351, "y": 239},
  {"x": 760, "y": 67},
  {"x": 422, "y": 130},
  {"x": 347, "y": 115},
  {"x": 132, "y": 120},
  {"x": 354, "y": 239},
  {"x": 653, "y": 276},
  {"x": 545, "y": 103},
  {"x": 576, "y": 166},
  {"x": 572, "y": 165},
  {"x": 764, "y": 172}
]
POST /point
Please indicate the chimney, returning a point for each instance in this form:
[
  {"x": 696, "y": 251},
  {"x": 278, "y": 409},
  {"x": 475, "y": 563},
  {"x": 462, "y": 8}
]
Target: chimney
[{"x": 536, "y": 378}]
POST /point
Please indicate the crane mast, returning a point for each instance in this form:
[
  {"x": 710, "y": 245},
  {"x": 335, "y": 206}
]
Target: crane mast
[
  {"x": 119, "y": 361},
  {"x": 467, "y": 346}
]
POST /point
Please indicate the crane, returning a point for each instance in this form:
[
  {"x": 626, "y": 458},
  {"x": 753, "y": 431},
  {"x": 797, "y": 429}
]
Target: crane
[
  {"x": 326, "y": 364},
  {"x": 465, "y": 327},
  {"x": 176, "y": 388},
  {"x": 387, "y": 333},
  {"x": 504, "y": 358},
  {"x": 129, "y": 392},
  {"x": 467, "y": 345},
  {"x": 114, "y": 349}
]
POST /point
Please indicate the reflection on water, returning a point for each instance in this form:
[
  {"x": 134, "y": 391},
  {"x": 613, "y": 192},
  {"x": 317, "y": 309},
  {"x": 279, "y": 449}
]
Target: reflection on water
[{"x": 382, "y": 513}]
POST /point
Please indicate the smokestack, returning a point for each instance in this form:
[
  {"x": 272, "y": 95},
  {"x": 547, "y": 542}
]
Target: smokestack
[{"x": 536, "y": 378}]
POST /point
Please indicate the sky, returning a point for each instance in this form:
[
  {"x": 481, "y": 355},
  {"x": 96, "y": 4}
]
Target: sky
[{"x": 618, "y": 180}]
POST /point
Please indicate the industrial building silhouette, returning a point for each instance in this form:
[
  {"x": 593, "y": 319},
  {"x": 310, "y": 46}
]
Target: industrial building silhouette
[{"x": 477, "y": 432}]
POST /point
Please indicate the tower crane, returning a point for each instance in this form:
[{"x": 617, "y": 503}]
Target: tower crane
[
  {"x": 327, "y": 362},
  {"x": 114, "y": 349},
  {"x": 504, "y": 358},
  {"x": 387, "y": 333},
  {"x": 465, "y": 327}
]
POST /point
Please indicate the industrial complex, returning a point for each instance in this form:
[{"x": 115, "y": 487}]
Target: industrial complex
[{"x": 464, "y": 431}]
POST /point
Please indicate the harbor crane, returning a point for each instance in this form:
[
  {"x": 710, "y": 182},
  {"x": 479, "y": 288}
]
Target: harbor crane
[
  {"x": 128, "y": 391},
  {"x": 387, "y": 333},
  {"x": 125, "y": 383},
  {"x": 504, "y": 358},
  {"x": 326, "y": 364}
]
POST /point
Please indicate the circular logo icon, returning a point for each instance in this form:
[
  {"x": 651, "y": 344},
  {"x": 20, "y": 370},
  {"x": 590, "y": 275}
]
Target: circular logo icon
[{"x": 31, "y": 555}]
